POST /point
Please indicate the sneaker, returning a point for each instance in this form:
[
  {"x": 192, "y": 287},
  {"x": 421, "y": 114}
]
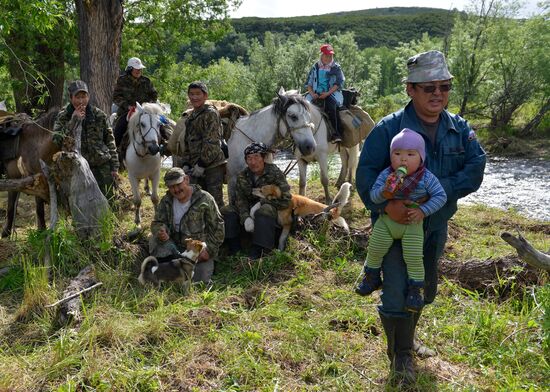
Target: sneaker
[
  {"x": 370, "y": 283},
  {"x": 415, "y": 296}
]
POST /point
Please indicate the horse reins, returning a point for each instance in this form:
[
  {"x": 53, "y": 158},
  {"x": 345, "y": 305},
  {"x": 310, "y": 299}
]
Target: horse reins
[{"x": 143, "y": 142}]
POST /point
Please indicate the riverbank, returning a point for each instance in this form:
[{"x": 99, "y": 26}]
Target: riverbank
[{"x": 517, "y": 147}]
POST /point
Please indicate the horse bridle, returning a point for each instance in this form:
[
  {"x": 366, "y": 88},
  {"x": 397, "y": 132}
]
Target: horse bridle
[
  {"x": 143, "y": 142},
  {"x": 290, "y": 129}
]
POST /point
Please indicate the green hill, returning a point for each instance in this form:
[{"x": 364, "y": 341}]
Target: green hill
[{"x": 372, "y": 27}]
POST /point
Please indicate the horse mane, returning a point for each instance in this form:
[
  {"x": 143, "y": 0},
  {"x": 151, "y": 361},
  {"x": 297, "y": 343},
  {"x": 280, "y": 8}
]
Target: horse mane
[
  {"x": 149, "y": 108},
  {"x": 282, "y": 102}
]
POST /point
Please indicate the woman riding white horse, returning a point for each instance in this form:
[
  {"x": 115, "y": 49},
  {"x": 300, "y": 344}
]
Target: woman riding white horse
[{"x": 142, "y": 158}]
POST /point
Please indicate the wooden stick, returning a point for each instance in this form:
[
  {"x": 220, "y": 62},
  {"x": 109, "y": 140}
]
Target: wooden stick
[{"x": 74, "y": 295}]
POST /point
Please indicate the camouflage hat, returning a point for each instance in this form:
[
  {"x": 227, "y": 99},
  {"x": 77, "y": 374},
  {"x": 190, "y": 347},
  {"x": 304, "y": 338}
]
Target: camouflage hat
[
  {"x": 427, "y": 67},
  {"x": 174, "y": 176},
  {"x": 256, "y": 148},
  {"x": 77, "y": 86}
]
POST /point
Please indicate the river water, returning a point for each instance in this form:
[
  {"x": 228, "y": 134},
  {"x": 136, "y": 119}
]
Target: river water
[{"x": 522, "y": 185}]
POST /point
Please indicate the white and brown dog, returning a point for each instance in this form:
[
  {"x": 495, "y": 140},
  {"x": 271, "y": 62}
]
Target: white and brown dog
[
  {"x": 177, "y": 270},
  {"x": 303, "y": 206}
]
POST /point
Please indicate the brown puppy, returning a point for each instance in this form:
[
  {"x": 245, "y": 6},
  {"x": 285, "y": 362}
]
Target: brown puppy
[
  {"x": 176, "y": 270},
  {"x": 303, "y": 206}
]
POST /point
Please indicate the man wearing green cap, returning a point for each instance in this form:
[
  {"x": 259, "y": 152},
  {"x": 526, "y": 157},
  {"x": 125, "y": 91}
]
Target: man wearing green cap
[
  {"x": 186, "y": 211},
  {"x": 455, "y": 157},
  {"x": 96, "y": 140}
]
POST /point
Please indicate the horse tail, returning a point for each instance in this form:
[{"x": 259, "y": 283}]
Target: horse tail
[{"x": 148, "y": 260}]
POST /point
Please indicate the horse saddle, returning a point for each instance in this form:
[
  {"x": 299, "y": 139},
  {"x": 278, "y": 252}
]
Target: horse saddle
[{"x": 10, "y": 127}]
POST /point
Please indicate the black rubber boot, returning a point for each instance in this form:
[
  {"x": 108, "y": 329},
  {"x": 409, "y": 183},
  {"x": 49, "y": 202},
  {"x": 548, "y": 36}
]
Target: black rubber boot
[
  {"x": 400, "y": 332},
  {"x": 232, "y": 232},
  {"x": 421, "y": 350},
  {"x": 263, "y": 238}
]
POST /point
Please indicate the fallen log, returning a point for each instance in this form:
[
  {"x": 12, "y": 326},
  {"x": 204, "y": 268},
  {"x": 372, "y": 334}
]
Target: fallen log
[
  {"x": 526, "y": 251},
  {"x": 70, "y": 309},
  {"x": 481, "y": 275},
  {"x": 35, "y": 185}
]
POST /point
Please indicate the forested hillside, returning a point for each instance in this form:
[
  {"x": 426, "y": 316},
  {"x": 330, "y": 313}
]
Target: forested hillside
[{"x": 381, "y": 27}]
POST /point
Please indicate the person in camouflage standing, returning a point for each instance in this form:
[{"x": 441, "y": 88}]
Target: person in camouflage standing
[
  {"x": 131, "y": 87},
  {"x": 97, "y": 140},
  {"x": 263, "y": 225},
  {"x": 203, "y": 157},
  {"x": 188, "y": 212}
]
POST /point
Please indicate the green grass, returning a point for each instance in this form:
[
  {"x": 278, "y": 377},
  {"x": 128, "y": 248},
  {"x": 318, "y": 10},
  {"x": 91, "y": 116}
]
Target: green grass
[{"x": 287, "y": 322}]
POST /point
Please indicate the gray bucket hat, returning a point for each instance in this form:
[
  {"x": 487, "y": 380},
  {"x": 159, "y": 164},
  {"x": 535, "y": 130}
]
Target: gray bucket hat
[
  {"x": 427, "y": 67},
  {"x": 77, "y": 86},
  {"x": 174, "y": 176}
]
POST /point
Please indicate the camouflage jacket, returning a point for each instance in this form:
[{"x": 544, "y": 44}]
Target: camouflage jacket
[
  {"x": 272, "y": 175},
  {"x": 203, "y": 133},
  {"x": 202, "y": 221},
  {"x": 97, "y": 140},
  {"x": 129, "y": 90}
]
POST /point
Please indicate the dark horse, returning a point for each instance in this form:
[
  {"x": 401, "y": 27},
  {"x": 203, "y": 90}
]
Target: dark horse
[{"x": 35, "y": 143}]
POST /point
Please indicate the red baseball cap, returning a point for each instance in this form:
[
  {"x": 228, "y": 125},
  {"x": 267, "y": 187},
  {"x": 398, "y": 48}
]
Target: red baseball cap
[{"x": 327, "y": 49}]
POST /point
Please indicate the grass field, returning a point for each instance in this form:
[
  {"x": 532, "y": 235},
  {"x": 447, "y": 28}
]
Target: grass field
[{"x": 288, "y": 322}]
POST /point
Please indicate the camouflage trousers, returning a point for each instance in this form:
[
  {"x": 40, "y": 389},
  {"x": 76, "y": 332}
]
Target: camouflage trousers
[
  {"x": 105, "y": 180},
  {"x": 212, "y": 182}
]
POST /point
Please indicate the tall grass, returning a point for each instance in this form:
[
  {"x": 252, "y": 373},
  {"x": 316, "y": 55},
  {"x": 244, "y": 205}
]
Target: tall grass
[{"x": 286, "y": 322}]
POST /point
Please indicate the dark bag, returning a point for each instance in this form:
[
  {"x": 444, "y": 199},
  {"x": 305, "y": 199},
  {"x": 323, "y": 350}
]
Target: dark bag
[{"x": 350, "y": 97}]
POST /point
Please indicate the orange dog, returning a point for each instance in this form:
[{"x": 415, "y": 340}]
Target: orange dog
[{"x": 303, "y": 206}]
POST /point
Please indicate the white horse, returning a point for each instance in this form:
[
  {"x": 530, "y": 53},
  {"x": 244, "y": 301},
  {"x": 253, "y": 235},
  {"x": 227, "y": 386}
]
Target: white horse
[
  {"x": 142, "y": 158},
  {"x": 289, "y": 114},
  {"x": 267, "y": 125}
]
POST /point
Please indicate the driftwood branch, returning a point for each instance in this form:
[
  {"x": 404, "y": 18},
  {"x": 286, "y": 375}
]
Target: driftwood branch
[
  {"x": 526, "y": 251},
  {"x": 69, "y": 311},
  {"x": 74, "y": 295}
]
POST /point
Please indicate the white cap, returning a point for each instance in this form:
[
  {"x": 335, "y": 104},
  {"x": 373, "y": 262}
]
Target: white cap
[{"x": 136, "y": 63}]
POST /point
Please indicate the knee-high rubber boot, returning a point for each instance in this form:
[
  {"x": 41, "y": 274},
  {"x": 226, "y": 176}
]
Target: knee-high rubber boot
[
  {"x": 400, "y": 332},
  {"x": 263, "y": 238},
  {"x": 232, "y": 231},
  {"x": 421, "y": 350}
]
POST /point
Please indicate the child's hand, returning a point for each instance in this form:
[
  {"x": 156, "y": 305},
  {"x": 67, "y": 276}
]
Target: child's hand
[{"x": 415, "y": 215}]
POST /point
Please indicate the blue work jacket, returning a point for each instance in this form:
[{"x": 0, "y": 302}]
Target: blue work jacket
[{"x": 456, "y": 159}]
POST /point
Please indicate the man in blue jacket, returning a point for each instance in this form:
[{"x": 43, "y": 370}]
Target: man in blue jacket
[{"x": 454, "y": 155}]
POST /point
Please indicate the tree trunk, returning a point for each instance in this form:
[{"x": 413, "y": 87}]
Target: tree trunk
[
  {"x": 526, "y": 251},
  {"x": 79, "y": 190},
  {"x": 100, "y": 26},
  {"x": 537, "y": 119}
]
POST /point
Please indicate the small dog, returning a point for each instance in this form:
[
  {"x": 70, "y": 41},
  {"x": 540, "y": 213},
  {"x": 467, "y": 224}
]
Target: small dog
[
  {"x": 303, "y": 206},
  {"x": 176, "y": 270}
]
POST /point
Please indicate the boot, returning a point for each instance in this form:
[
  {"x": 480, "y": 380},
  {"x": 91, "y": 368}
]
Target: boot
[
  {"x": 263, "y": 238},
  {"x": 232, "y": 232},
  {"x": 371, "y": 281},
  {"x": 421, "y": 350},
  {"x": 415, "y": 297},
  {"x": 400, "y": 332}
]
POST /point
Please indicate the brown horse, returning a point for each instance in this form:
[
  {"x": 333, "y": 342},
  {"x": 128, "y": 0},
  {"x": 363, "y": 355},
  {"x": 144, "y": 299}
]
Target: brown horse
[{"x": 35, "y": 143}]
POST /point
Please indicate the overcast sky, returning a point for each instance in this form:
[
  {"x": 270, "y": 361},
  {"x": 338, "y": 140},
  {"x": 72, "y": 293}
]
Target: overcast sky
[{"x": 284, "y": 8}]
